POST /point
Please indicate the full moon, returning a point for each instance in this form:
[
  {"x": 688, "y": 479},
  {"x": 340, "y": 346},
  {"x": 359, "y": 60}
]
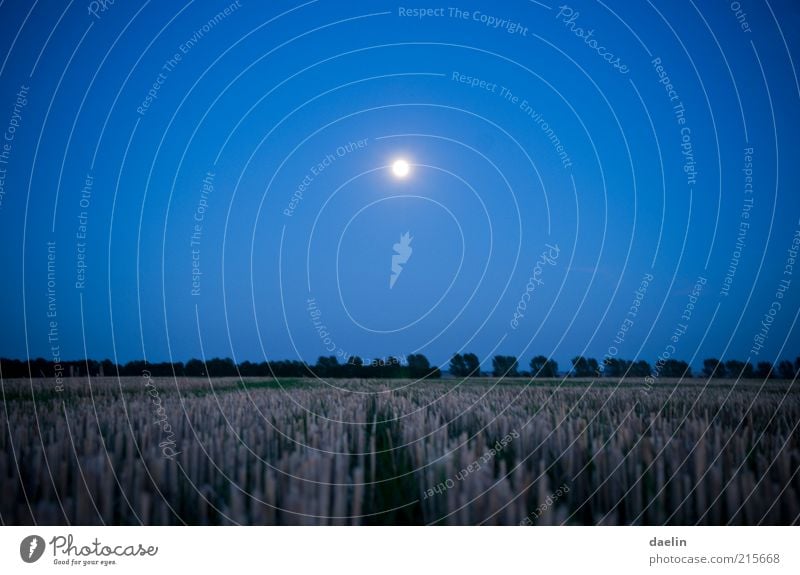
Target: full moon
[{"x": 400, "y": 168}]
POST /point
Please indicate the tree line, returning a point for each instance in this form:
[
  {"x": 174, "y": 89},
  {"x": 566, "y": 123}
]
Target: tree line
[
  {"x": 414, "y": 366},
  {"x": 468, "y": 365}
]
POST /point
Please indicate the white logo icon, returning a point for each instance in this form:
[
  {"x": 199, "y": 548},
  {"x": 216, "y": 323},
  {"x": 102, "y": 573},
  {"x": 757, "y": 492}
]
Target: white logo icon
[{"x": 402, "y": 253}]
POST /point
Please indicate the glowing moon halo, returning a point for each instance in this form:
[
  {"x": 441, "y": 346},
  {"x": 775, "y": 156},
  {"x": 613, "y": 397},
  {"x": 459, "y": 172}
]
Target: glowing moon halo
[{"x": 400, "y": 168}]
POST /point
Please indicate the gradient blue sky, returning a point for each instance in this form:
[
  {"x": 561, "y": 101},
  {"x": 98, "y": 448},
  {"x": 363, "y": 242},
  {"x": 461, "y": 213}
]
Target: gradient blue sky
[{"x": 272, "y": 89}]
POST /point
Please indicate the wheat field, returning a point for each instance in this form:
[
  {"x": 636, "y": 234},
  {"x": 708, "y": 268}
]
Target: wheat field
[{"x": 161, "y": 451}]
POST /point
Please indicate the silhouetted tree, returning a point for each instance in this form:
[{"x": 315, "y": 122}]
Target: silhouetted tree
[
  {"x": 543, "y": 367},
  {"x": 640, "y": 369},
  {"x": 473, "y": 364},
  {"x": 221, "y": 367},
  {"x": 354, "y": 367},
  {"x": 466, "y": 365},
  {"x": 195, "y": 368},
  {"x": 91, "y": 367},
  {"x": 248, "y": 369},
  {"x": 584, "y": 367},
  {"x": 764, "y": 370},
  {"x": 166, "y": 369},
  {"x": 674, "y": 368},
  {"x": 391, "y": 368},
  {"x": 786, "y": 369},
  {"x": 457, "y": 366},
  {"x": 13, "y": 368},
  {"x": 419, "y": 367},
  {"x": 713, "y": 368},
  {"x": 613, "y": 367},
  {"x": 505, "y": 365},
  {"x": 327, "y": 366},
  {"x": 109, "y": 368},
  {"x": 135, "y": 368},
  {"x": 735, "y": 368}
]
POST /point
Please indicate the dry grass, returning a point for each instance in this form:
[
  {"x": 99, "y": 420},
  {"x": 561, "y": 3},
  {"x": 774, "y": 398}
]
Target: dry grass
[{"x": 306, "y": 453}]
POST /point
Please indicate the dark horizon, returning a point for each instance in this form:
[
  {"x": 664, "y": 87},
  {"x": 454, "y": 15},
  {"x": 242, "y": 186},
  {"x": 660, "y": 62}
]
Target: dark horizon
[{"x": 710, "y": 368}]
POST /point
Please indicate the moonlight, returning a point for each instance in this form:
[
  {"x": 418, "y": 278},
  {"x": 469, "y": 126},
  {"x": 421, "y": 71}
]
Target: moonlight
[{"x": 400, "y": 168}]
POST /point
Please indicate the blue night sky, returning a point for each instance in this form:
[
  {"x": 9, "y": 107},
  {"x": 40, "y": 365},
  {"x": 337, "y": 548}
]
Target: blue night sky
[{"x": 238, "y": 200}]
